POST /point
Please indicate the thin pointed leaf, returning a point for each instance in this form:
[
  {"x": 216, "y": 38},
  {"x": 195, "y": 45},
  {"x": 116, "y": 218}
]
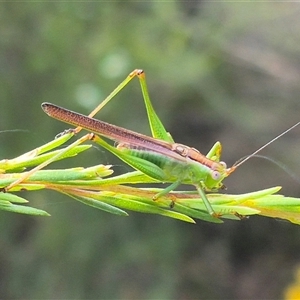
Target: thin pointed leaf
[
  {"x": 12, "y": 198},
  {"x": 99, "y": 205},
  {"x": 23, "y": 210}
]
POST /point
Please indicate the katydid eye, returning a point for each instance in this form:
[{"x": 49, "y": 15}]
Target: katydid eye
[{"x": 215, "y": 175}]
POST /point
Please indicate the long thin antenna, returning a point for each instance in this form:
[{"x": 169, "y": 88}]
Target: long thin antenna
[{"x": 237, "y": 164}]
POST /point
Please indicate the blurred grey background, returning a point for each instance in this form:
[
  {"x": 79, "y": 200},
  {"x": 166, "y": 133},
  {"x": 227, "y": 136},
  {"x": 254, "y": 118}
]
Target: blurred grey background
[{"x": 215, "y": 71}]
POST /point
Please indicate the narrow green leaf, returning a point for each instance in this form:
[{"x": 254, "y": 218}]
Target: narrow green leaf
[
  {"x": 23, "y": 210},
  {"x": 12, "y": 198},
  {"x": 139, "y": 206},
  {"x": 99, "y": 205}
]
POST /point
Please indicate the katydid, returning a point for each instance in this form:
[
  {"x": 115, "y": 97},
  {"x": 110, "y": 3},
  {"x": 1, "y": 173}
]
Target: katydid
[{"x": 158, "y": 157}]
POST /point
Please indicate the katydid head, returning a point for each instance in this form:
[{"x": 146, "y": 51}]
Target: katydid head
[{"x": 218, "y": 172}]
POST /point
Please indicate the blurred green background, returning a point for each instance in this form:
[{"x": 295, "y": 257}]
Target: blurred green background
[{"x": 216, "y": 71}]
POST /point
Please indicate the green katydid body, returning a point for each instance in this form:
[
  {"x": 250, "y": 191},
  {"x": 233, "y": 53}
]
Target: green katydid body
[
  {"x": 159, "y": 156},
  {"x": 161, "y": 160}
]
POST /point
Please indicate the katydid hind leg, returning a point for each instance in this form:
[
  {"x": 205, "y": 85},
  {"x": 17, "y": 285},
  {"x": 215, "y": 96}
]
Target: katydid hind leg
[
  {"x": 157, "y": 128},
  {"x": 113, "y": 93}
]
